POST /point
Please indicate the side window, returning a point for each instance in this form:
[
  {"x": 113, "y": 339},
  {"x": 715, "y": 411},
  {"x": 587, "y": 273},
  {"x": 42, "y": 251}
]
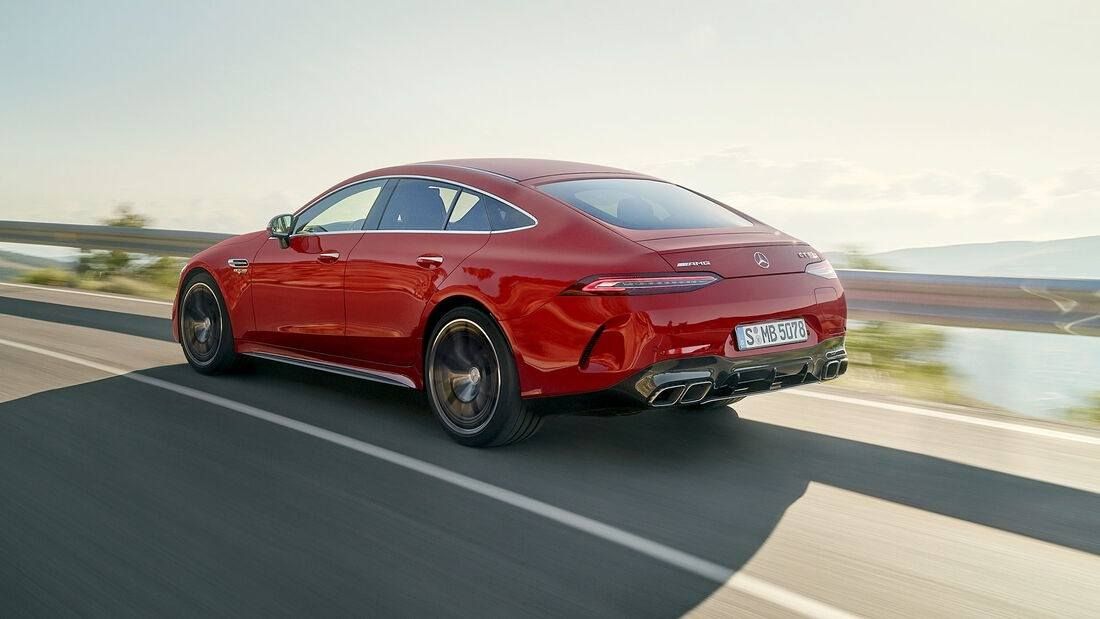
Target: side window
[
  {"x": 468, "y": 214},
  {"x": 418, "y": 204},
  {"x": 342, "y": 211},
  {"x": 503, "y": 217}
]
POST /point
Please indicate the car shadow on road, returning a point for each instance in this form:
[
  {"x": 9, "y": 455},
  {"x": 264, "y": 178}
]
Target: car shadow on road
[{"x": 708, "y": 482}]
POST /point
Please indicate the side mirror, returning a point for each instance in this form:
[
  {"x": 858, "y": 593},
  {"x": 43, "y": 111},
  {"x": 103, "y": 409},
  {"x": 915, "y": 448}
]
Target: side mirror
[{"x": 281, "y": 227}]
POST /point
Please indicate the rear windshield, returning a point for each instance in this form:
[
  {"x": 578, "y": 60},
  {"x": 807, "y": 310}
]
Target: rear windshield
[{"x": 641, "y": 204}]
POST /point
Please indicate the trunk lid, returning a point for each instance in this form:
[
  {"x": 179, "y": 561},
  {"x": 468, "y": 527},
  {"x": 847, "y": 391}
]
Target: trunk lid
[{"x": 740, "y": 254}]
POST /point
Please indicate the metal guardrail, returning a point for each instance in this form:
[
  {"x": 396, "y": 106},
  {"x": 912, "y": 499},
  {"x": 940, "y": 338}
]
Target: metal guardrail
[
  {"x": 1011, "y": 303},
  {"x": 136, "y": 240},
  {"x": 1070, "y": 306}
]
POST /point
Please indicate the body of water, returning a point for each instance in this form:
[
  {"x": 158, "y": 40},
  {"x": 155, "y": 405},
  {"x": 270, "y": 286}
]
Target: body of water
[{"x": 1031, "y": 374}]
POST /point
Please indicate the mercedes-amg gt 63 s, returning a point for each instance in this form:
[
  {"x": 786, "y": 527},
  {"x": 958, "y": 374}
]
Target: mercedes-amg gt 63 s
[{"x": 508, "y": 289}]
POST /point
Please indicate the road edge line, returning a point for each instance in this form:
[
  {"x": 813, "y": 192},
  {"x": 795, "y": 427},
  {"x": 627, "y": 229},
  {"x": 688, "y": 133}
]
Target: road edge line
[
  {"x": 85, "y": 293},
  {"x": 928, "y": 412}
]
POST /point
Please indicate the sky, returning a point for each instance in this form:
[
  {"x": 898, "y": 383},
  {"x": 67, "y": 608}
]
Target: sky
[{"x": 877, "y": 125}]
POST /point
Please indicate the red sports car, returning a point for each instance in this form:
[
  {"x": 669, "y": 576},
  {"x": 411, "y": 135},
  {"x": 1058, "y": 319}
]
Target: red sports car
[{"x": 509, "y": 288}]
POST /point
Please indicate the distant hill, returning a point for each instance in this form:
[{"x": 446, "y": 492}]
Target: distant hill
[
  {"x": 1078, "y": 257},
  {"x": 12, "y": 264},
  {"x": 32, "y": 262}
]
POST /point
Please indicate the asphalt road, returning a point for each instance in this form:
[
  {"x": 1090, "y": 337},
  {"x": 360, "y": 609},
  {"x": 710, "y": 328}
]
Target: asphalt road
[{"x": 131, "y": 486}]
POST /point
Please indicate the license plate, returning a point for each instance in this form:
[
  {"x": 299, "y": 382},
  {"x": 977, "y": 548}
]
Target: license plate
[{"x": 764, "y": 334}]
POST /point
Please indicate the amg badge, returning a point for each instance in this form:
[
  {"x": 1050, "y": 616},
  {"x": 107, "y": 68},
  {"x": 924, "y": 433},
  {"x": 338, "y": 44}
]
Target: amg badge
[{"x": 693, "y": 263}]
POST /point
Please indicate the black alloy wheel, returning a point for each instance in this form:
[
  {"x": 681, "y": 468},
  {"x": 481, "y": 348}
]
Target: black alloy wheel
[
  {"x": 472, "y": 384},
  {"x": 205, "y": 332}
]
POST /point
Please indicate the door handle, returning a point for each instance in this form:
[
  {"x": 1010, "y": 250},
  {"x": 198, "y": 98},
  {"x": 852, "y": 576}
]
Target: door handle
[
  {"x": 429, "y": 261},
  {"x": 329, "y": 257}
]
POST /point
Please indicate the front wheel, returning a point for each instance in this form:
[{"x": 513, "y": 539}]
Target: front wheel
[
  {"x": 472, "y": 383},
  {"x": 205, "y": 332}
]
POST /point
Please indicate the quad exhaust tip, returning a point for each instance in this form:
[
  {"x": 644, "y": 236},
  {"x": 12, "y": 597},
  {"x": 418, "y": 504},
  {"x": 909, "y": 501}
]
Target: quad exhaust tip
[
  {"x": 834, "y": 368},
  {"x": 836, "y": 364},
  {"x": 695, "y": 392},
  {"x": 667, "y": 396},
  {"x": 690, "y": 393}
]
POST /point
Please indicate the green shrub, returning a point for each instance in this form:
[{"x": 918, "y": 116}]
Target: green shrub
[
  {"x": 50, "y": 277},
  {"x": 164, "y": 272},
  {"x": 901, "y": 359},
  {"x": 897, "y": 346},
  {"x": 127, "y": 286}
]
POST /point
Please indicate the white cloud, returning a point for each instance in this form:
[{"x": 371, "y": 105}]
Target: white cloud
[
  {"x": 937, "y": 184},
  {"x": 737, "y": 170},
  {"x": 835, "y": 203},
  {"x": 997, "y": 187},
  {"x": 1078, "y": 181}
]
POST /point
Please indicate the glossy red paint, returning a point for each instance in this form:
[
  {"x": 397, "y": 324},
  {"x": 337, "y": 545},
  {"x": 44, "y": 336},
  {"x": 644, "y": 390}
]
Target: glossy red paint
[
  {"x": 391, "y": 280},
  {"x": 298, "y": 292},
  {"x": 366, "y": 299}
]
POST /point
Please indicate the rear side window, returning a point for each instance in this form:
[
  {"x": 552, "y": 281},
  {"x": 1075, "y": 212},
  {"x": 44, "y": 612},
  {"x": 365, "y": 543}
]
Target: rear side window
[
  {"x": 640, "y": 204},
  {"x": 474, "y": 211},
  {"x": 503, "y": 217},
  {"x": 468, "y": 214},
  {"x": 418, "y": 204}
]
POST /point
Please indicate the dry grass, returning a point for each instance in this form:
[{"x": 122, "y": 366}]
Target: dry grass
[{"x": 116, "y": 284}]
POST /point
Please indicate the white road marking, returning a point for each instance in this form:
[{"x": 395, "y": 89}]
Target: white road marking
[
  {"x": 703, "y": 568},
  {"x": 928, "y": 412},
  {"x": 85, "y": 293}
]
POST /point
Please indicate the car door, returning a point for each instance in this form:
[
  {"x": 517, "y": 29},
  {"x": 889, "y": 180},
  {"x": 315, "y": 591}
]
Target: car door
[
  {"x": 428, "y": 228},
  {"x": 298, "y": 291}
]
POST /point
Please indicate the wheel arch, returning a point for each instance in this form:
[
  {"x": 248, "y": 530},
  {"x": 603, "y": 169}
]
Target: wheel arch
[
  {"x": 189, "y": 271},
  {"x": 447, "y": 304}
]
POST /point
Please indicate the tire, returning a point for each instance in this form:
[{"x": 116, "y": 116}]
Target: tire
[
  {"x": 471, "y": 382},
  {"x": 206, "y": 334}
]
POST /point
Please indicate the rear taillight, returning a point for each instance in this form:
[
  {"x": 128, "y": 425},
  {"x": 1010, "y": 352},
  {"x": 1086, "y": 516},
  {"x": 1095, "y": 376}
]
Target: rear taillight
[
  {"x": 821, "y": 269},
  {"x": 641, "y": 284}
]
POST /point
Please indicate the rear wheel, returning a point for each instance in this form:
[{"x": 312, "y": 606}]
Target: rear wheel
[
  {"x": 472, "y": 383},
  {"x": 205, "y": 332}
]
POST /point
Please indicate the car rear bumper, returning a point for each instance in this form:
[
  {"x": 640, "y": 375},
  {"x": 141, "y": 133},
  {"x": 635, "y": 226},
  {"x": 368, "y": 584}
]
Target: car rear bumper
[
  {"x": 704, "y": 380},
  {"x": 584, "y": 344}
]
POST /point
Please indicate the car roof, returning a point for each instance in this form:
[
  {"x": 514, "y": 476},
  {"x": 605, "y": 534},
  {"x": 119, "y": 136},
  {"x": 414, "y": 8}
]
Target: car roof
[{"x": 519, "y": 169}]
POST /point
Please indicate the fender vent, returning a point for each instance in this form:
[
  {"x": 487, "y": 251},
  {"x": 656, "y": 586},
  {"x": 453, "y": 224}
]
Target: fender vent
[{"x": 590, "y": 346}]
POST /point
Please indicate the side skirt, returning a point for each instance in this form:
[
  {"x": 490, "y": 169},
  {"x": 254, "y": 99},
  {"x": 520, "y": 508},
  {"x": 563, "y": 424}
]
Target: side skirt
[{"x": 336, "y": 368}]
